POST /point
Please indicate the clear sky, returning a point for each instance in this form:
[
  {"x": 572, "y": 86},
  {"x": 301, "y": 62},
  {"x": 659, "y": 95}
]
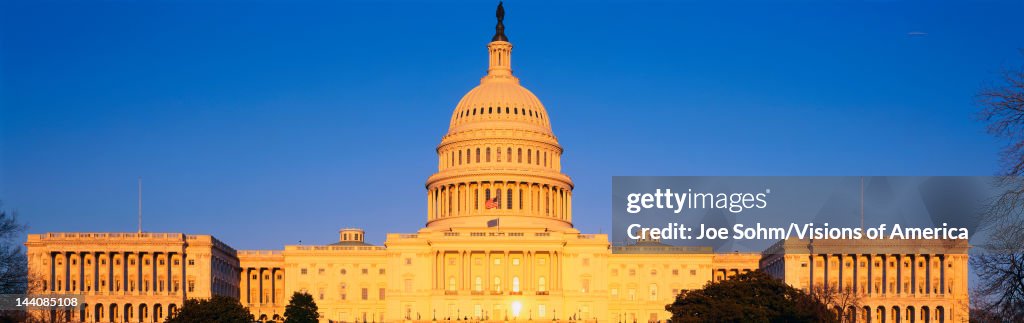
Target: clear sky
[{"x": 269, "y": 122}]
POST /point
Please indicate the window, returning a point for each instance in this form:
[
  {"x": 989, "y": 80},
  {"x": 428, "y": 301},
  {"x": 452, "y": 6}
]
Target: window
[
  {"x": 542, "y": 310},
  {"x": 365, "y": 271},
  {"x": 653, "y": 291},
  {"x": 343, "y": 271},
  {"x": 380, "y": 293},
  {"x": 302, "y": 271},
  {"x": 515, "y": 284},
  {"x": 615, "y": 292},
  {"x": 541, "y": 284},
  {"x": 585, "y": 286},
  {"x": 380, "y": 271},
  {"x": 508, "y": 201},
  {"x": 488, "y": 155},
  {"x": 586, "y": 261},
  {"x": 191, "y": 262},
  {"x": 408, "y": 261},
  {"x": 693, "y": 272},
  {"x": 632, "y": 272},
  {"x": 515, "y": 261},
  {"x": 366, "y": 293},
  {"x": 478, "y": 284},
  {"x": 451, "y": 283},
  {"x": 191, "y": 286},
  {"x": 497, "y": 261},
  {"x": 320, "y": 271},
  {"x": 675, "y": 272},
  {"x": 497, "y": 284}
]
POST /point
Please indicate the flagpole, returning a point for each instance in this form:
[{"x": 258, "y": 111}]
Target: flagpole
[{"x": 140, "y": 204}]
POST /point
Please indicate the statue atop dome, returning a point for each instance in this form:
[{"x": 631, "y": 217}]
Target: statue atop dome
[{"x": 499, "y": 30}]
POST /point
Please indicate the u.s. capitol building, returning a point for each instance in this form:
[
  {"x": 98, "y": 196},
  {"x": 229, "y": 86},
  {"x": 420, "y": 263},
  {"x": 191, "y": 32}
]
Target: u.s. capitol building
[{"x": 499, "y": 245}]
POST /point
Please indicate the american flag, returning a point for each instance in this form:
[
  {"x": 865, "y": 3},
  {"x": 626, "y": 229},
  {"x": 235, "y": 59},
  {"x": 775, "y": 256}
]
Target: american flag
[{"x": 493, "y": 203}]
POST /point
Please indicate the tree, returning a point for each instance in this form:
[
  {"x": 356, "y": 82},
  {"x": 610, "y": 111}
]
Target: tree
[
  {"x": 13, "y": 262},
  {"x": 839, "y": 299},
  {"x": 216, "y": 309},
  {"x": 1000, "y": 265},
  {"x": 301, "y": 309},
  {"x": 748, "y": 297}
]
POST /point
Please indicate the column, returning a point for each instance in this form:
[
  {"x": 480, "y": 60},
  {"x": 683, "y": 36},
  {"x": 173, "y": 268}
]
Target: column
[
  {"x": 928, "y": 274},
  {"x": 110, "y": 271},
  {"x": 53, "y": 272},
  {"x": 913, "y": 275},
  {"x": 899, "y": 273},
  {"x": 80, "y": 285},
  {"x": 506, "y": 281},
  {"x": 138, "y": 278},
  {"x": 95, "y": 272},
  {"x": 841, "y": 269},
  {"x": 156, "y": 280},
  {"x": 871, "y": 278},
  {"x": 273, "y": 285},
  {"x": 259, "y": 277},
  {"x": 170, "y": 282},
  {"x": 942, "y": 274},
  {"x": 248, "y": 285},
  {"x": 810, "y": 270},
  {"x": 824, "y": 276}
]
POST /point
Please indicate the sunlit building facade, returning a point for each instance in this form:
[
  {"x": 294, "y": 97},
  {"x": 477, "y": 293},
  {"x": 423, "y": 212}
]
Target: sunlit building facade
[{"x": 498, "y": 245}]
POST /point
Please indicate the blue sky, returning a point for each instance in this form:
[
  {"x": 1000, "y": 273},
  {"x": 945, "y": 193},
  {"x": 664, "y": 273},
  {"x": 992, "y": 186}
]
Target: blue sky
[{"x": 269, "y": 122}]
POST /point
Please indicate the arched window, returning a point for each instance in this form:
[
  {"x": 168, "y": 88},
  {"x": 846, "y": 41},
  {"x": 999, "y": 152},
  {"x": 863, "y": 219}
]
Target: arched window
[
  {"x": 460, "y": 157},
  {"x": 520, "y": 155},
  {"x": 515, "y": 284},
  {"x": 490, "y": 110},
  {"x": 515, "y": 111},
  {"x": 541, "y": 284},
  {"x": 488, "y": 155},
  {"x": 509, "y": 154},
  {"x": 498, "y": 151},
  {"x": 506, "y": 110},
  {"x": 478, "y": 284},
  {"x": 545, "y": 158},
  {"x": 508, "y": 200},
  {"x": 478, "y": 155},
  {"x": 529, "y": 156},
  {"x": 499, "y": 108},
  {"x": 468, "y": 154},
  {"x": 497, "y": 284},
  {"x": 487, "y": 194}
]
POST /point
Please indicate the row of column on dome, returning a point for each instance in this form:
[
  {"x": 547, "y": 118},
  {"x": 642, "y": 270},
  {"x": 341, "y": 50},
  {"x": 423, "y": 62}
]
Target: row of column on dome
[
  {"x": 102, "y": 273},
  {"x": 471, "y": 156},
  {"x": 127, "y": 312},
  {"x": 472, "y": 199}
]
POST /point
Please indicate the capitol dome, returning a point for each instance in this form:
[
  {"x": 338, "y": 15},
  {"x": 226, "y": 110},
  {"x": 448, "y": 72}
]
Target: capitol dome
[
  {"x": 500, "y": 102},
  {"x": 499, "y": 165}
]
